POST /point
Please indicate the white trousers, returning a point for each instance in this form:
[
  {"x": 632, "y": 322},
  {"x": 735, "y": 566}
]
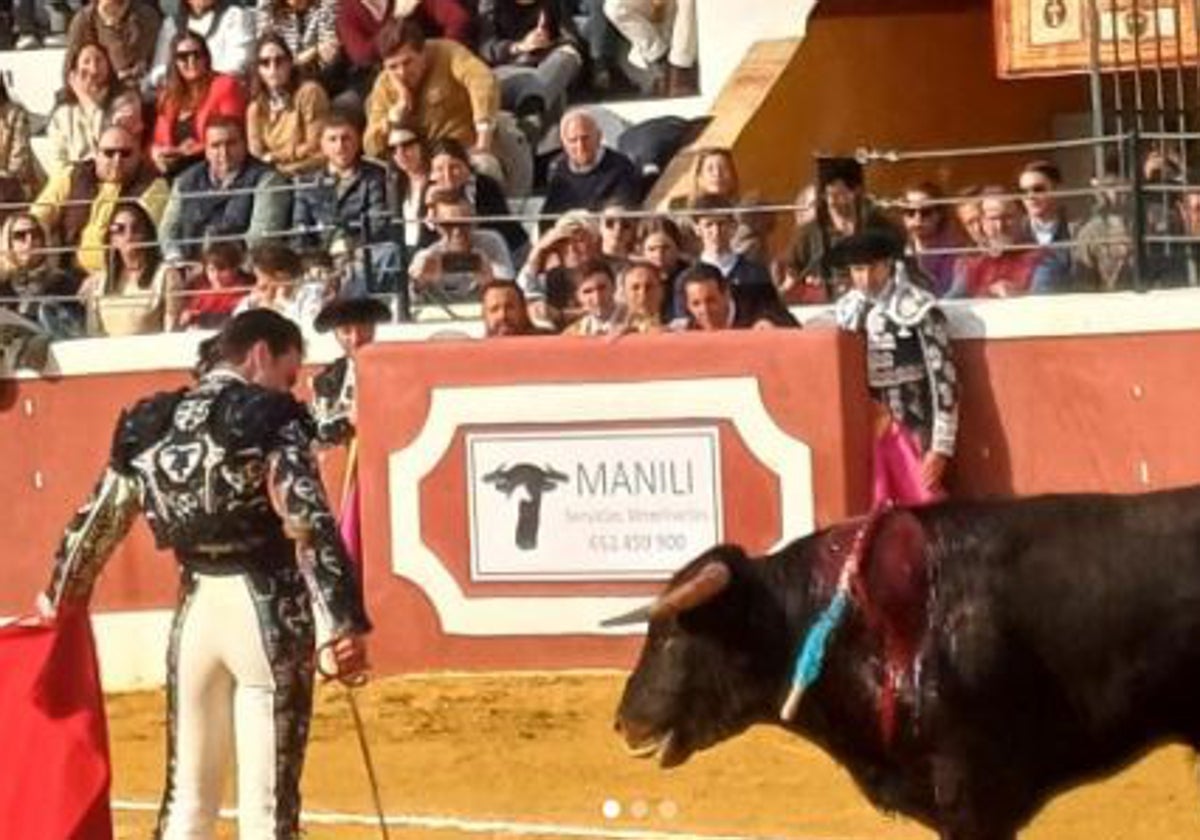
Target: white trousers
[
  {"x": 224, "y": 696},
  {"x": 649, "y": 40}
]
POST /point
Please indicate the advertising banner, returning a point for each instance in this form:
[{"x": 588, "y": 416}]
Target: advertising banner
[{"x": 603, "y": 504}]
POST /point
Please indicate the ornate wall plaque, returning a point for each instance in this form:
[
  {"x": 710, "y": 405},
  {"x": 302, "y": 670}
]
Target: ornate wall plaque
[{"x": 1052, "y": 37}]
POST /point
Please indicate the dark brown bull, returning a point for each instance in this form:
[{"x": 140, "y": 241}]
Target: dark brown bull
[{"x": 992, "y": 654}]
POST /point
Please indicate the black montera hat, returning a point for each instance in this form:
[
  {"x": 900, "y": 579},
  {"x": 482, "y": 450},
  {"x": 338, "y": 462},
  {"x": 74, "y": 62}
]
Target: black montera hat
[
  {"x": 343, "y": 311},
  {"x": 869, "y": 246}
]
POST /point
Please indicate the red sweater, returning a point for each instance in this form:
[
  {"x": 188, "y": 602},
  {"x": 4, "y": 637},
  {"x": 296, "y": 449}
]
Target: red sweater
[
  {"x": 357, "y": 28},
  {"x": 225, "y": 98}
]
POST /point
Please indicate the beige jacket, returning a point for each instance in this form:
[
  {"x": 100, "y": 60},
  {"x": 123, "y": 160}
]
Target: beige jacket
[{"x": 458, "y": 92}]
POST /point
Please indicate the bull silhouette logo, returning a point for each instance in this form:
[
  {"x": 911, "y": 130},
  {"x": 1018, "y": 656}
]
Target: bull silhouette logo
[{"x": 535, "y": 481}]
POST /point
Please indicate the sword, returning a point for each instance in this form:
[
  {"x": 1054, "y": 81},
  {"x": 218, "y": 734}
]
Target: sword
[{"x": 349, "y": 684}]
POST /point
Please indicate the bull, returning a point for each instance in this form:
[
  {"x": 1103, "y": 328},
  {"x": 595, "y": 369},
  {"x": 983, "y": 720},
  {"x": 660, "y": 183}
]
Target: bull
[{"x": 990, "y": 655}]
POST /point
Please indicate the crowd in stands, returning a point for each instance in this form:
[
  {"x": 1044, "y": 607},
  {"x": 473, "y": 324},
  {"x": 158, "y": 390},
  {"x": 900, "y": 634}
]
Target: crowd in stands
[{"x": 213, "y": 156}]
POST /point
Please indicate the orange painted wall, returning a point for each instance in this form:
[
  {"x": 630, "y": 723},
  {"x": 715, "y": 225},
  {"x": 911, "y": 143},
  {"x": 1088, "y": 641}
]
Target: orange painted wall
[{"x": 903, "y": 79}]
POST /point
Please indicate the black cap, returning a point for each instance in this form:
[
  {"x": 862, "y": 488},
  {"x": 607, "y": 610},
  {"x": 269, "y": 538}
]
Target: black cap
[
  {"x": 343, "y": 311},
  {"x": 871, "y": 245},
  {"x": 845, "y": 169}
]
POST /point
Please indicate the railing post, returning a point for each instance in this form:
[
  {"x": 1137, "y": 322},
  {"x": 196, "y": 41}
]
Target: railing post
[
  {"x": 403, "y": 302},
  {"x": 364, "y": 228},
  {"x": 1138, "y": 231}
]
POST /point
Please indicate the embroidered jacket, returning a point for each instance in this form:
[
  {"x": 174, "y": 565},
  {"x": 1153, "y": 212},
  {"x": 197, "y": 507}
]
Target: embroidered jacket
[
  {"x": 910, "y": 364},
  {"x": 209, "y": 467},
  {"x": 333, "y": 399}
]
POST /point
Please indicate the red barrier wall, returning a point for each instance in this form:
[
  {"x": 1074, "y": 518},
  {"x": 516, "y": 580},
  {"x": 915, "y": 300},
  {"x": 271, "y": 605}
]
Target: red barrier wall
[{"x": 1109, "y": 413}]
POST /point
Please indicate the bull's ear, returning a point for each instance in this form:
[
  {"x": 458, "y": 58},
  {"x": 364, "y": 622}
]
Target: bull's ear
[
  {"x": 639, "y": 616},
  {"x": 709, "y": 582}
]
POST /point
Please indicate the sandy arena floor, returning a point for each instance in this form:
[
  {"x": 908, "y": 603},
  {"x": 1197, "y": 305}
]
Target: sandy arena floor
[{"x": 538, "y": 750}]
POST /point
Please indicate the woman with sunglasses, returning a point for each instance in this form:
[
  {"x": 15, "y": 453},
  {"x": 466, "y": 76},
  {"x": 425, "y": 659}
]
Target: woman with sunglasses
[
  {"x": 192, "y": 95},
  {"x": 226, "y": 27},
  {"x": 283, "y": 120},
  {"x": 28, "y": 276},
  {"x": 89, "y": 85},
  {"x": 309, "y": 27},
  {"x": 136, "y": 293}
]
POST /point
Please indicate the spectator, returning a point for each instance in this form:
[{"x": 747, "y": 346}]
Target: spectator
[
  {"x": 660, "y": 246},
  {"x": 283, "y": 119},
  {"x": 279, "y": 285},
  {"x": 588, "y": 175},
  {"x": 843, "y": 210},
  {"x": 602, "y": 42},
  {"x": 546, "y": 277},
  {"x": 910, "y": 370},
  {"x": 309, "y": 28},
  {"x": 596, "y": 298},
  {"x": 227, "y": 194},
  {"x": 128, "y": 111},
  {"x": 504, "y": 310},
  {"x": 359, "y": 22},
  {"x": 20, "y": 19},
  {"x": 128, "y": 31},
  {"x": 463, "y": 259},
  {"x": 20, "y": 175},
  {"x": 27, "y": 276},
  {"x": 1103, "y": 246},
  {"x": 929, "y": 228},
  {"x": 77, "y": 203},
  {"x": 440, "y": 89},
  {"x": 408, "y": 180},
  {"x": 77, "y": 119},
  {"x": 662, "y": 41},
  {"x": 713, "y": 304},
  {"x": 215, "y": 294},
  {"x": 330, "y": 205},
  {"x": 536, "y": 53},
  {"x": 618, "y": 235},
  {"x": 192, "y": 95},
  {"x": 643, "y": 294},
  {"x": 450, "y": 169},
  {"x": 969, "y": 212},
  {"x": 1012, "y": 265},
  {"x": 1046, "y": 221},
  {"x": 715, "y": 223},
  {"x": 135, "y": 293},
  {"x": 715, "y": 174},
  {"x": 226, "y": 27}
]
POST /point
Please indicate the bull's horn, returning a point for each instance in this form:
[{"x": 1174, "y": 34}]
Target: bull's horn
[
  {"x": 702, "y": 588},
  {"x": 641, "y": 615}
]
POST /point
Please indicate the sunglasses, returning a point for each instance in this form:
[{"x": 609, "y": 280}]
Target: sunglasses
[
  {"x": 613, "y": 223},
  {"x": 919, "y": 212},
  {"x": 1041, "y": 187},
  {"x": 188, "y": 55},
  {"x": 272, "y": 61},
  {"x": 26, "y": 233},
  {"x": 117, "y": 152}
]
